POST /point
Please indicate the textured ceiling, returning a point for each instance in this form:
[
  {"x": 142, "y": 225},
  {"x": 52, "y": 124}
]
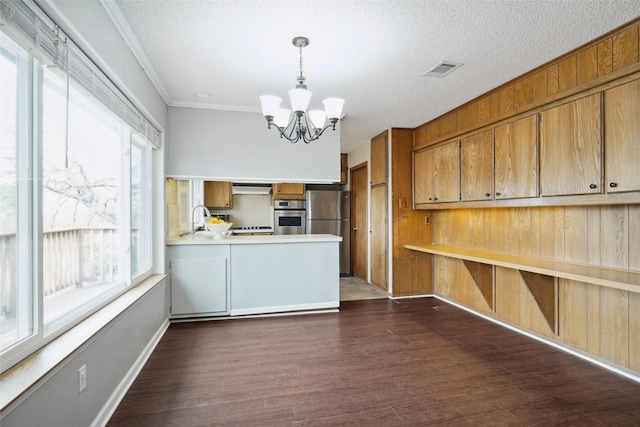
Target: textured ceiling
[{"x": 371, "y": 53}]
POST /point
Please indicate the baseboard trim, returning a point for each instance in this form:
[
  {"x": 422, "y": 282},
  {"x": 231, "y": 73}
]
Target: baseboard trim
[
  {"x": 551, "y": 343},
  {"x": 118, "y": 394}
]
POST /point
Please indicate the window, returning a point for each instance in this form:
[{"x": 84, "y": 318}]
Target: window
[
  {"x": 75, "y": 186},
  {"x": 140, "y": 203},
  {"x": 16, "y": 284},
  {"x": 82, "y": 200}
]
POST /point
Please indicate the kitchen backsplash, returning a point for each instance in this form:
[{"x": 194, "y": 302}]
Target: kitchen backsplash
[{"x": 249, "y": 210}]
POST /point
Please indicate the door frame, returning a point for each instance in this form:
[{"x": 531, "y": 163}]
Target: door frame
[{"x": 358, "y": 168}]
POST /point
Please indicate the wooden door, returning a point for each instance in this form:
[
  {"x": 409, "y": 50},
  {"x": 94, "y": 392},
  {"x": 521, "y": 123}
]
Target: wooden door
[
  {"x": 423, "y": 176},
  {"x": 379, "y": 231},
  {"x": 379, "y": 159},
  {"x": 476, "y": 166},
  {"x": 516, "y": 159},
  {"x": 359, "y": 226},
  {"x": 571, "y": 148},
  {"x": 446, "y": 172},
  {"x": 622, "y": 137}
]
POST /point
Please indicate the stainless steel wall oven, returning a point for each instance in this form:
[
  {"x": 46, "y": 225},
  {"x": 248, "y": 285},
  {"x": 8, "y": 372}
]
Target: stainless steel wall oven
[{"x": 290, "y": 217}]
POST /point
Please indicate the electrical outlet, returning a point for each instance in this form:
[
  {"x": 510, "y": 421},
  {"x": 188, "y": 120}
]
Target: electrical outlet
[
  {"x": 427, "y": 219},
  {"x": 82, "y": 378}
]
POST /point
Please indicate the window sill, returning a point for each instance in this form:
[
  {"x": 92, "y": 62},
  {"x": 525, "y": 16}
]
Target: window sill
[{"x": 20, "y": 378}]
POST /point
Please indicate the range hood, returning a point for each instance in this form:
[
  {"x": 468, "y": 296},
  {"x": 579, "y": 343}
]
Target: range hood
[{"x": 261, "y": 189}]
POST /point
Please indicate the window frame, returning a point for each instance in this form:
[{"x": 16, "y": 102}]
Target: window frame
[{"x": 30, "y": 229}]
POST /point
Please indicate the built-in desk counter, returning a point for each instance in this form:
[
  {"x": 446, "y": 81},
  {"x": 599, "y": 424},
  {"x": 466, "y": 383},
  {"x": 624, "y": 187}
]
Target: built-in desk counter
[
  {"x": 247, "y": 275},
  {"x": 603, "y": 276}
]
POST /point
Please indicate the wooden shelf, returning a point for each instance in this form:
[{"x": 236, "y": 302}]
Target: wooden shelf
[{"x": 603, "y": 276}]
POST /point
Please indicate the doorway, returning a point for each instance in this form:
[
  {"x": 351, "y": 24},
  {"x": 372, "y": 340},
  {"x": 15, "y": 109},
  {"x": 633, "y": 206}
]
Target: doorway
[{"x": 359, "y": 200}]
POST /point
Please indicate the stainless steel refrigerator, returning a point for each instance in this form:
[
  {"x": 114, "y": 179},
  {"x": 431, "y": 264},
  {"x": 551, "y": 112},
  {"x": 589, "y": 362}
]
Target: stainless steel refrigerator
[{"x": 329, "y": 212}]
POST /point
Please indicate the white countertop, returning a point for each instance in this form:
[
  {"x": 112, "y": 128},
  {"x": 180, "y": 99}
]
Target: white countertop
[{"x": 195, "y": 239}]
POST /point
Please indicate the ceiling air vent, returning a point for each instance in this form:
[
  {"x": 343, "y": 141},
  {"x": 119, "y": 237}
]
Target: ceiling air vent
[{"x": 442, "y": 69}]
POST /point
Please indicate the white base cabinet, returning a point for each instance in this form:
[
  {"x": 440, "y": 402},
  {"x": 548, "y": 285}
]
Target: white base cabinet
[{"x": 199, "y": 280}]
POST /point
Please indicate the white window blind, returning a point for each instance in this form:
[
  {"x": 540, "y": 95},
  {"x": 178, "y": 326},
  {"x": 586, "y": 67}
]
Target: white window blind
[{"x": 33, "y": 30}]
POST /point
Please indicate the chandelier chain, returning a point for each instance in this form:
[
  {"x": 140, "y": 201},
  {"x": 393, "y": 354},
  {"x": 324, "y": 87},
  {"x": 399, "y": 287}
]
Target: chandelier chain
[{"x": 300, "y": 48}]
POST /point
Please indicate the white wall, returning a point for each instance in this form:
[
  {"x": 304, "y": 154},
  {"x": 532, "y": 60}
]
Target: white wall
[
  {"x": 109, "y": 356},
  {"x": 237, "y": 146}
]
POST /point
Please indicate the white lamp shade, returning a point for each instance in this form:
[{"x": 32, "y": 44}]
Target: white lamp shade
[
  {"x": 333, "y": 107},
  {"x": 299, "y": 99},
  {"x": 270, "y": 105},
  {"x": 317, "y": 118},
  {"x": 281, "y": 117}
]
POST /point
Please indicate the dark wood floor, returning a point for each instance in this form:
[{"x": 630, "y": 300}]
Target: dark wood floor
[{"x": 411, "y": 362}]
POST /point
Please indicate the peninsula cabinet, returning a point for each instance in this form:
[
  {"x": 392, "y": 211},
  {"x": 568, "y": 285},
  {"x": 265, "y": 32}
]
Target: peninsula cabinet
[
  {"x": 437, "y": 173},
  {"x": 622, "y": 137},
  {"x": 217, "y": 194},
  {"x": 516, "y": 159},
  {"x": 476, "y": 166},
  {"x": 571, "y": 148}
]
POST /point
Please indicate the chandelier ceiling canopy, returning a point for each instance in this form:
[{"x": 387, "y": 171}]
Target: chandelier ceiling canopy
[{"x": 302, "y": 124}]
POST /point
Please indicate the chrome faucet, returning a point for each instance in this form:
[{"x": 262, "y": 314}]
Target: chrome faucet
[{"x": 193, "y": 211}]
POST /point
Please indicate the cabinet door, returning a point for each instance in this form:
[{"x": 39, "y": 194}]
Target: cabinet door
[
  {"x": 379, "y": 159},
  {"x": 622, "y": 137},
  {"x": 217, "y": 194},
  {"x": 516, "y": 159},
  {"x": 344, "y": 168},
  {"x": 476, "y": 166},
  {"x": 446, "y": 172},
  {"x": 423, "y": 176},
  {"x": 198, "y": 285},
  {"x": 379, "y": 231},
  {"x": 295, "y": 189},
  {"x": 571, "y": 148}
]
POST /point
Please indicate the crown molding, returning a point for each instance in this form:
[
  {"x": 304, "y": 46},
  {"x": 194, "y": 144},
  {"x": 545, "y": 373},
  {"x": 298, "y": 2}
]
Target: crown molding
[
  {"x": 114, "y": 12},
  {"x": 220, "y": 107}
]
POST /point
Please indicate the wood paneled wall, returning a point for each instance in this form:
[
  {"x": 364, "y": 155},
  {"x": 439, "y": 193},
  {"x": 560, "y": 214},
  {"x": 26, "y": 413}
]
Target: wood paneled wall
[
  {"x": 607, "y": 58},
  {"x": 606, "y": 236},
  {"x": 599, "y": 321},
  {"x": 411, "y": 269}
]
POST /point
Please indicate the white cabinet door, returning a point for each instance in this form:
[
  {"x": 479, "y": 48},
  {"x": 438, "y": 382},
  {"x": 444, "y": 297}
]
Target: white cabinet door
[{"x": 198, "y": 285}]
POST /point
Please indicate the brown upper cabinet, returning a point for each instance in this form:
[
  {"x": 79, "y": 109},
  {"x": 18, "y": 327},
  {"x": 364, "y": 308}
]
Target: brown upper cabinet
[
  {"x": 622, "y": 137},
  {"x": 516, "y": 159},
  {"x": 476, "y": 166},
  {"x": 571, "y": 148},
  {"x": 217, "y": 194},
  {"x": 379, "y": 159},
  {"x": 436, "y": 174},
  {"x": 287, "y": 190},
  {"x": 344, "y": 168}
]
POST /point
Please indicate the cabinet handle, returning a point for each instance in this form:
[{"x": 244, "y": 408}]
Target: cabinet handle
[
  {"x": 488, "y": 194},
  {"x": 613, "y": 184},
  {"x": 498, "y": 194},
  {"x": 592, "y": 186},
  {"x": 354, "y": 228},
  {"x": 435, "y": 198},
  {"x": 430, "y": 198}
]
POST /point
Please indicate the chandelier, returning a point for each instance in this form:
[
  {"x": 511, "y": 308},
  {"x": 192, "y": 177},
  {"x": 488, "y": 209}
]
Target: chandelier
[{"x": 302, "y": 125}]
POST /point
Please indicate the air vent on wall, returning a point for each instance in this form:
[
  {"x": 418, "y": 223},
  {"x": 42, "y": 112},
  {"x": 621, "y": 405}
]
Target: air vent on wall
[{"x": 442, "y": 69}]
